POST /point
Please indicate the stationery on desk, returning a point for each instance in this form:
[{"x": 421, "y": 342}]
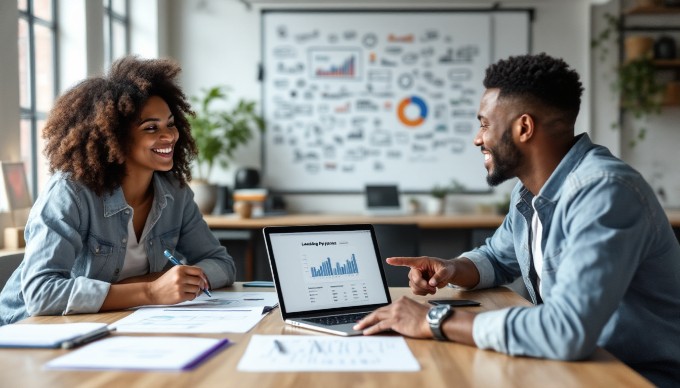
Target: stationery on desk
[
  {"x": 176, "y": 261},
  {"x": 190, "y": 320},
  {"x": 224, "y": 312},
  {"x": 304, "y": 353},
  {"x": 141, "y": 353},
  {"x": 57, "y": 335}
]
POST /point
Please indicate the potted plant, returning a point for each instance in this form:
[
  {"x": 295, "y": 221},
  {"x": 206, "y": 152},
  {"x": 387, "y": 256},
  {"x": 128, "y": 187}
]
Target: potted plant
[
  {"x": 639, "y": 91},
  {"x": 439, "y": 193},
  {"x": 218, "y": 132}
]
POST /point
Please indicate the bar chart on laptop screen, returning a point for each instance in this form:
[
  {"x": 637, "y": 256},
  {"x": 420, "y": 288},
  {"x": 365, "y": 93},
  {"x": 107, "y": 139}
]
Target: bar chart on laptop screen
[
  {"x": 323, "y": 270},
  {"x": 336, "y": 269}
]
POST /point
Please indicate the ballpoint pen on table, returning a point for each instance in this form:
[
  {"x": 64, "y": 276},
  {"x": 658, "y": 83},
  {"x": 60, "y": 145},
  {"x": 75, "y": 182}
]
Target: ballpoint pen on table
[
  {"x": 174, "y": 261},
  {"x": 87, "y": 338},
  {"x": 279, "y": 347}
]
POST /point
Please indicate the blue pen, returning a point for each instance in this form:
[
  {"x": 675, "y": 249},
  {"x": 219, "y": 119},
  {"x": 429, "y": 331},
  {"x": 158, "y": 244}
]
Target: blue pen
[{"x": 174, "y": 261}]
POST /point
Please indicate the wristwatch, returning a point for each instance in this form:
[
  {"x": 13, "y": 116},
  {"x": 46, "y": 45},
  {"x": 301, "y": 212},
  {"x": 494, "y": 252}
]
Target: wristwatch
[{"x": 435, "y": 317}]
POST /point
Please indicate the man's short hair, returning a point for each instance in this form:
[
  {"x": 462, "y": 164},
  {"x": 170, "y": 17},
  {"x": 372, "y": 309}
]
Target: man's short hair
[{"x": 538, "y": 79}]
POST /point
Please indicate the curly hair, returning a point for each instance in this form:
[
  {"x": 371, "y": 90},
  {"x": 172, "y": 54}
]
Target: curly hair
[
  {"x": 538, "y": 78},
  {"x": 88, "y": 131}
]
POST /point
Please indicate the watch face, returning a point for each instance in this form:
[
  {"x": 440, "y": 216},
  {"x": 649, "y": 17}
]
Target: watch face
[{"x": 437, "y": 312}]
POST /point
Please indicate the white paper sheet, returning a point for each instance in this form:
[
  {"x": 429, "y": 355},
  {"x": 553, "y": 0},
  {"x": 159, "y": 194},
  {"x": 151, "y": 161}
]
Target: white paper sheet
[
  {"x": 190, "y": 320},
  {"x": 226, "y": 299},
  {"x": 44, "y": 335},
  {"x": 140, "y": 353},
  {"x": 297, "y": 353}
]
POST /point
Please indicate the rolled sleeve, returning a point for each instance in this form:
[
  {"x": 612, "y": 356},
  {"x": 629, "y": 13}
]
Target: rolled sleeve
[
  {"x": 486, "y": 271},
  {"x": 488, "y": 330},
  {"x": 87, "y": 296}
]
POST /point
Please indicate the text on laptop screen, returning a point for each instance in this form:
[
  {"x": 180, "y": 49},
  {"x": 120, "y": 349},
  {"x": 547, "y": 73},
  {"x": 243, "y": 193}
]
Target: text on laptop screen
[{"x": 325, "y": 270}]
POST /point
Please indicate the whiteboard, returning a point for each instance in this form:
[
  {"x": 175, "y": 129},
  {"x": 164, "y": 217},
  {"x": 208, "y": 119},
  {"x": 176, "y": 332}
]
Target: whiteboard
[{"x": 367, "y": 97}]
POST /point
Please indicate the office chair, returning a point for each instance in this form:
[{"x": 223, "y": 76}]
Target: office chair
[
  {"x": 397, "y": 240},
  {"x": 8, "y": 263}
]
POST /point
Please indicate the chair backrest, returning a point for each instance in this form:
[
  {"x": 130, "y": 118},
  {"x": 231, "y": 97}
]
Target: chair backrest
[
  {"x": 397, "y": 240},
  {"x": 8, "y": 263}
]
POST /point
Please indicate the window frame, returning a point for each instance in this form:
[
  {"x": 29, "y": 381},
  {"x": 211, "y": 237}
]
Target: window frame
[
  {"x": 111, "y": 18},
  {"x": 31, "y": 113}
]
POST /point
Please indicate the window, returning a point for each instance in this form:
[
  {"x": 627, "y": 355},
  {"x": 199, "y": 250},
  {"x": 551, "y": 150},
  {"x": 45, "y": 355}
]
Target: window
[
  {"x": 37, "y": 80},
  {"x": 116, "y": 36}
]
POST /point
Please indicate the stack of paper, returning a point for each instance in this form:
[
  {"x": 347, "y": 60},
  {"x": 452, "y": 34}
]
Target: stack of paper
[
  {"x": 50, "y": 335},
  {"x": 141, "y": 353}
]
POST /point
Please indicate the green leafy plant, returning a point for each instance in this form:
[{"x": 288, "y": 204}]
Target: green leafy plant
[
  {"x": 219, "y": 132},
  {"x": 639, "y": 91},
  {"x": 441, "y": 191}
]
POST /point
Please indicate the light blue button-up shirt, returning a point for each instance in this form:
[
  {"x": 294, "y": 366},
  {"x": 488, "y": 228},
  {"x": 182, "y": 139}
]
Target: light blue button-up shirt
[
  {"x": 611, "y": 269},
  {"x": 76, "y": 243}
]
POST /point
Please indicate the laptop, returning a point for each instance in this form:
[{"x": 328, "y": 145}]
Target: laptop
[
  {"x": 327, "y": 277},
  {"x": 383, "y": 200}
]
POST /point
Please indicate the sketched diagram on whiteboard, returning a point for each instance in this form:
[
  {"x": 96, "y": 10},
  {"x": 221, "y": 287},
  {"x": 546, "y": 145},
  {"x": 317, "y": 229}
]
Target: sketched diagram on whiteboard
[{"x": 357, "y": 97}]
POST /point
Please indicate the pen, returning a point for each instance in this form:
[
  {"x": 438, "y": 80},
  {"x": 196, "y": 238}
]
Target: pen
[
  {"x": 253, "y": 298},
  {"x": 174, "y": 261},
  {"x": 279, "y": 347},
  {"x": 86, "y": 338}
]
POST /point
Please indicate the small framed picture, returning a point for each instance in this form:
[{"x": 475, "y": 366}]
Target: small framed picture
[{"x": 16, "y": 185}]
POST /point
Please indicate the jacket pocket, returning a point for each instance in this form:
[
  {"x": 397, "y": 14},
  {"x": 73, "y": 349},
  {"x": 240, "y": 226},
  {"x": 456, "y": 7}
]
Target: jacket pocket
[
  {"x": 99, "y": 252},
  {"x": 169, "y": 240}
]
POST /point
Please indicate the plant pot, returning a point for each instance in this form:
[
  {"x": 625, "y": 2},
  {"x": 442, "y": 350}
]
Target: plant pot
[
  {"x": 639, "y": 47},
  {"x": 648, "y": 3},
  {"x": 436, "y": 206},
  {"x": 671, "y": 95},
  {"x": 205, "y": 195},
  {"x": 244, "y": 209}
]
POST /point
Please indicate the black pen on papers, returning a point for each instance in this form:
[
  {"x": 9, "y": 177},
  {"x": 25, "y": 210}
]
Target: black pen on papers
[
  {"x": 279, "y": 347},
  {"x": 86, "y": 338},
  {"x": 253, "y": 298},
  {"x": 174, "y": 261}
]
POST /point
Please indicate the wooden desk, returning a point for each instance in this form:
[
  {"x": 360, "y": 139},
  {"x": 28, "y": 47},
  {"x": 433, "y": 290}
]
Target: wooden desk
[
  {"x": 464, "y": 221},
  {"x": 232, "y": 223},
  {"x": 442, "y": 363},
  {"x": 452, "y": 221}
]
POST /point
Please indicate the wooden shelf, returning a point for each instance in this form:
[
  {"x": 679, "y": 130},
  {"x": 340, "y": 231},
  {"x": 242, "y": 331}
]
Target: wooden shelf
[
  {"x": 667, "y": 63},
  {"x": 658, "y": 10}
]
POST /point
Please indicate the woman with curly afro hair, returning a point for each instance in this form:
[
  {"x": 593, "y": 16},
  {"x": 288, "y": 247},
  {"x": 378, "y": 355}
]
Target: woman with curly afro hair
[{"x": 119, "y": 147}]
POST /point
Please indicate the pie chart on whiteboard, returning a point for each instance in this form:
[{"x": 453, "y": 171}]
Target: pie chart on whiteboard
[{"x": 412, "y": 111}]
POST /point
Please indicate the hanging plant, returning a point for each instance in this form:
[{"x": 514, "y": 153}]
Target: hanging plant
[{"x": 639, "y": 91}]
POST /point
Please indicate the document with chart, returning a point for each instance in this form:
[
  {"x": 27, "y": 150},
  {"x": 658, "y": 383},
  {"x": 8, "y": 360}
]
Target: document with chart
[{"x": 299, "y": 353}]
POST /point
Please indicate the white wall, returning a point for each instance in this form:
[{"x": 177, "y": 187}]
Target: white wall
[{"x": 218, "y": 42}]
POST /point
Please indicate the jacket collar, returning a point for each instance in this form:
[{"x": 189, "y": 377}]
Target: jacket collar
[
  {"x": 114, "y": 202},
  {"x": 551, "y": 188}
]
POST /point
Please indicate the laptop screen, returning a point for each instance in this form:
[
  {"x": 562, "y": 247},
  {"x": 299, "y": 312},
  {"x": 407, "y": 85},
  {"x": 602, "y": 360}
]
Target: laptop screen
[{"x": 325, "y": 269}]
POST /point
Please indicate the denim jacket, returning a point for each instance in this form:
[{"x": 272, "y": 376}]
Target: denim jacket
[
  {"x": 76, "y": 243},
  {"x": 611, "y": 269}
]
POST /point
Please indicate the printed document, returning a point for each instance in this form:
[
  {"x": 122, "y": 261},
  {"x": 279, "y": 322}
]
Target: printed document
[
  {"x": 190, "y": 320},
  {"x": 45, "y": 335},
  {"x": 300, "y": 353},
  {"x": 140, "y": 353}
]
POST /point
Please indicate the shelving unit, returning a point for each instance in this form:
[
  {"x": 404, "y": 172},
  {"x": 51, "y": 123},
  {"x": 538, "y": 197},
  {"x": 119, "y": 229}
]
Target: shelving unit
[{"x": 673, "y": 26}]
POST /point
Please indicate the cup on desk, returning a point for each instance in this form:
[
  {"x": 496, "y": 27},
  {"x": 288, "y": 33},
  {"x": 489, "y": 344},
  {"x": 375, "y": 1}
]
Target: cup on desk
[{"x": 244, "y": 209}]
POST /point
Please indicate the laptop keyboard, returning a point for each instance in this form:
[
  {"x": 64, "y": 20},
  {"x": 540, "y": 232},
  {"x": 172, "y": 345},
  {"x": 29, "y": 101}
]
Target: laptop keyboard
[{"x": 337, "y": 319}]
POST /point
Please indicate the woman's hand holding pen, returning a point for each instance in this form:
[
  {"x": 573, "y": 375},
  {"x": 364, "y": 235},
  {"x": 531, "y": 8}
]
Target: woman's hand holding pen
[{"x": 180, "y": 283}]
